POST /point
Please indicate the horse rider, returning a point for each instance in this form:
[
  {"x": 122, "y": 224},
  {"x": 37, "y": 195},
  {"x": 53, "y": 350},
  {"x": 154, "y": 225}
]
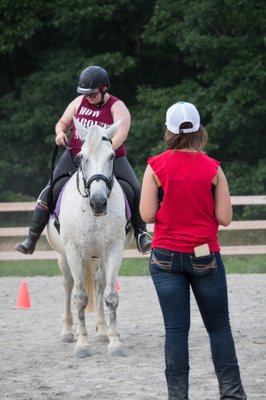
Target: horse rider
[{"x": 93, "y": 106}]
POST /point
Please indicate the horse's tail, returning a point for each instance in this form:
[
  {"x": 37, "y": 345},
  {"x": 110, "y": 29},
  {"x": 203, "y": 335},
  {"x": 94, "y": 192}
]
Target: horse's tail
[{"x": 89, "y": 283}]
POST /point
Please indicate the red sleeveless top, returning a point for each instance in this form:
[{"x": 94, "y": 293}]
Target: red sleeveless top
[
  {"x": 186, "y": 218},
  {"x": 88, "y": 114}
]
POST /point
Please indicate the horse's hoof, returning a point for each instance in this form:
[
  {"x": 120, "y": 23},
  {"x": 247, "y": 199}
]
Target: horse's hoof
[
  {"x": 83, "y": 351},
  {"x": 68, "y": 338},
  {"x": 102, "y": 338},
  {"x": 117, "y": 351}
]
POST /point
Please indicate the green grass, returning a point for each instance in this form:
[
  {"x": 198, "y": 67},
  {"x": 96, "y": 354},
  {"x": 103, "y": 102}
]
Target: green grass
[
  {"x": 29, "y": 268},
  {"x": 130, "y": 267},
  {"x": 245, "y": 264}
]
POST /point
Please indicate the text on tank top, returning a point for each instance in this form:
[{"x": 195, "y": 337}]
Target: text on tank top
[{"x": 89, "y": 115}]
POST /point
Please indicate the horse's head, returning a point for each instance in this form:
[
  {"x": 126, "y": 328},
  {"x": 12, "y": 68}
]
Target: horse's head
[{"x": 96, "y": 164}]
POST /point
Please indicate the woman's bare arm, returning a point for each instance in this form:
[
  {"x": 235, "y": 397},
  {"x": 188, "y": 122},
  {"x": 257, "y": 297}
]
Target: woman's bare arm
[
  {"x": 64, "y": 122},
  {"x": 149, "y": 195},
  {"x": 223, "y": 206},
  {"x": 120, "y": 111}
]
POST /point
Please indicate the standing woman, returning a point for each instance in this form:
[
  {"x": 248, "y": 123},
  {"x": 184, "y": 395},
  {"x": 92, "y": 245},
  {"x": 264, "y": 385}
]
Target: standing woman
[
  {"x": 94, "y": 106},
  {"x": 185, "y": 249}
]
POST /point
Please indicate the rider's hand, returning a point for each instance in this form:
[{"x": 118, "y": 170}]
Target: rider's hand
[{"x": 61, "y": 138}]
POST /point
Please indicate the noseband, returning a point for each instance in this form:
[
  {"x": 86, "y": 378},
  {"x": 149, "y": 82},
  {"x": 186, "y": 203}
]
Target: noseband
[{"x": 97, "y": 177}]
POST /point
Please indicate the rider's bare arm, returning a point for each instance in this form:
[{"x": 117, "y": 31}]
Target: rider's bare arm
[
  {"x": 119, "y": 110},
  {"x": 64, "y": 122}
]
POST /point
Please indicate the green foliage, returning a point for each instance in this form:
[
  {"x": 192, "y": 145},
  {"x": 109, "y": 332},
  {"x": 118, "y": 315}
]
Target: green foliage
[
  {"x": 30, "y": 130},
  {"x": 21, "y": 20},
  {"x": 221, "y": 67},
  {"x": 9, "y": 197},
  {"x": 148, "y": 126},
  {"x": 28, "y": 121},
  {"x": 211, "y": 53},
  {"x": 246, "y": 179}
]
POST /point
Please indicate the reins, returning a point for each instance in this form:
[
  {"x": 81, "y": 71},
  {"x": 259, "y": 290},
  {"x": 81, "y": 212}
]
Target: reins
[{"x": 50, "y": 195}]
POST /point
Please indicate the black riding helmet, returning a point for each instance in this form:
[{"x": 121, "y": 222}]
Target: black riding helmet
[{"x": 92, "y": 78}]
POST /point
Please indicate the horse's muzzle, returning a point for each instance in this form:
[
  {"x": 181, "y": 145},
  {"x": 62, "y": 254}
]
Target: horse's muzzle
[{"x": 98, "y": 205}]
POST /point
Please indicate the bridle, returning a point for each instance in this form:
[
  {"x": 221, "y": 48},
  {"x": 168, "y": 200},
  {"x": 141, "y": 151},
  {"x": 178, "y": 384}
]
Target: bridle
[{"x": 97, "y": 177}]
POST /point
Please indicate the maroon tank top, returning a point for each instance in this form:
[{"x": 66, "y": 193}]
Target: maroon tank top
[{"x": 88, "y": 114}]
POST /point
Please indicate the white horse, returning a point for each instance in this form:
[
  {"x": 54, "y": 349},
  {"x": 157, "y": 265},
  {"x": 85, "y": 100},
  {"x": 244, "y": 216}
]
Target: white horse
[{"x": 92, "y": 239}]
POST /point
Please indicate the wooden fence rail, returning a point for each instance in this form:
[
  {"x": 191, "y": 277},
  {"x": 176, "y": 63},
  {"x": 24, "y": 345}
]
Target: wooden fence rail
[{"x": 132, "y": 253}]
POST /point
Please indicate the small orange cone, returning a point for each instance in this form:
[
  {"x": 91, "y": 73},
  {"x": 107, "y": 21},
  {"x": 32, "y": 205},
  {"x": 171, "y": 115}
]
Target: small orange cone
[
  {"x": 23, "y": 300},
  {"x": 118, "y": 285}
]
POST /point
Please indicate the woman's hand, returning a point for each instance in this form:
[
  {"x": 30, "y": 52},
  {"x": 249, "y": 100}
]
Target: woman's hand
[
  {"x": 61, "y": 138},
  {"x": 65, "y": 121}
]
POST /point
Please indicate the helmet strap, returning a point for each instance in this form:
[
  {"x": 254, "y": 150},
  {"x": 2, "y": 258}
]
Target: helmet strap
[{"x": 101, "y": 102}]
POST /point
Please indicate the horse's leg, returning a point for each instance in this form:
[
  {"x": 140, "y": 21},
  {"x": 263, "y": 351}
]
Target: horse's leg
[
  {"x": 113, "y": 262},
  {"x": 99, "y": 284},
  {"x": 82, "y": 348},
  {"x": 67, "y": 334}
]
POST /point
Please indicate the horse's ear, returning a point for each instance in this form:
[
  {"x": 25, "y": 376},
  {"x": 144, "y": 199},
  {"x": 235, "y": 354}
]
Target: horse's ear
[
  {"x": 93, "y": 139},
  {"x": 113, "y": 128},
  {"x": 81, "y": 131}
]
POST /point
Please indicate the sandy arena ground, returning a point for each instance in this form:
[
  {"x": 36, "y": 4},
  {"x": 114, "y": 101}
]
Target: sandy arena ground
[{"x": 35, "y": 365}]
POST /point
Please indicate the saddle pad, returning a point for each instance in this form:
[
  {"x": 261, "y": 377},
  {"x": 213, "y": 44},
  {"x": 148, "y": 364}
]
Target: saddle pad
[{"x": 58, "y": 203}]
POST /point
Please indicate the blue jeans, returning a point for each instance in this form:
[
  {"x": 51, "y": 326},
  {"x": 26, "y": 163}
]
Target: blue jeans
[{"x": 173, "y": 274}]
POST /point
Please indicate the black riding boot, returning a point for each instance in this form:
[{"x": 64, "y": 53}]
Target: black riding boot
[{"x": 39, "y": 220}]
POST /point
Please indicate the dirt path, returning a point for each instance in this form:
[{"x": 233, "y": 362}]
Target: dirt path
[{"x": 35, "y": 365}]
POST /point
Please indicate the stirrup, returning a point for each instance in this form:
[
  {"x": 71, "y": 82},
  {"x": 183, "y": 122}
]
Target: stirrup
[{"x": 144, "y": 250}]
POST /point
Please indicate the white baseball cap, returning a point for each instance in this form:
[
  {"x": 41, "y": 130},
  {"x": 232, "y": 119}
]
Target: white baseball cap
[{"x": 179, "y": 113}]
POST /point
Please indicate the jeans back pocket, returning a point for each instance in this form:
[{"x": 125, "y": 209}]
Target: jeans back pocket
[
  {"x": 205, "y": 265},
  {"x": 161, "y": 259}
]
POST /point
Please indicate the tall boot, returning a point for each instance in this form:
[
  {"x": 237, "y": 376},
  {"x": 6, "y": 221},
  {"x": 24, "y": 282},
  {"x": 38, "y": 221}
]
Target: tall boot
[{"x": 39, "y": 220}]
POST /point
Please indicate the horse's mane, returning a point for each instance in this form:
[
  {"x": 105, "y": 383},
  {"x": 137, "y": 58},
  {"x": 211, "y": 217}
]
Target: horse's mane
[
  {"x": 92, "y": 141},
  {"x": 92, "y": 136}
]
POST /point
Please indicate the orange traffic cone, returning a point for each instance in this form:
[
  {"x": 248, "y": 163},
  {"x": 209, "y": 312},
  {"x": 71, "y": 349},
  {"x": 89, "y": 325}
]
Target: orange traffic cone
[
  {"x": 117, "y": 285},
  {"x": 23, "y": 300}
]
